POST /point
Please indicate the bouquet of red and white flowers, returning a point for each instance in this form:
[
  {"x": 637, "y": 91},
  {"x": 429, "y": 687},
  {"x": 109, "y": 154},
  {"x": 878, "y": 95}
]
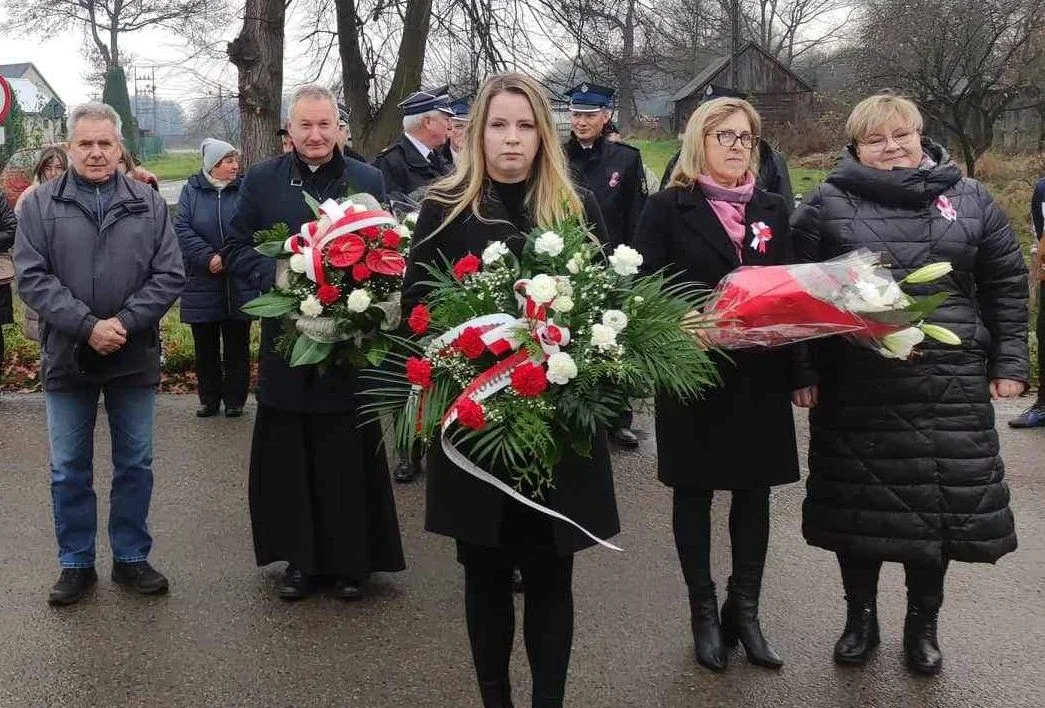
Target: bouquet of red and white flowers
[{"x": 338, "y": 282}]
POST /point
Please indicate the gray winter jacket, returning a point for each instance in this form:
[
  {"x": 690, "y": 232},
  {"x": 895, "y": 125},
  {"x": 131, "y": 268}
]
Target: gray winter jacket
[{"x": 76, "y": 268}]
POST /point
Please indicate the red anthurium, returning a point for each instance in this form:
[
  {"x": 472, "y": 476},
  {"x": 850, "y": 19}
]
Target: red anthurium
[
  {"x": 385, "y": 262},
  {"x": 345, "y": 251}
]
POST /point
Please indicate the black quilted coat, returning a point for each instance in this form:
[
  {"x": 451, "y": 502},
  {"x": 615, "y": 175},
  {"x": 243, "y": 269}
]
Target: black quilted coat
[{"x": 903, "y": 460}]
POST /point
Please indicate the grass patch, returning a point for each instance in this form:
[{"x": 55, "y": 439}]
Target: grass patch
[
  {"x": 804, "y": 180},
  {"x": 656, "y": 153},
  {"x": 174, "y": 165}
]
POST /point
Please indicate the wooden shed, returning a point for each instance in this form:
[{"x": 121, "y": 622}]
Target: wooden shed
[{"x": 778, "y": 93}]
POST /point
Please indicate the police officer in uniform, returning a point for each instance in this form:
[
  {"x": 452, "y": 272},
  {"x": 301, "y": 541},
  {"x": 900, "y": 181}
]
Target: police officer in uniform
[
  {"x": 415, "y": 159},
  {"x": 455, "y": 138},
  {"x": 614, "y": 172},
  {"x": 344, "y": 135}
]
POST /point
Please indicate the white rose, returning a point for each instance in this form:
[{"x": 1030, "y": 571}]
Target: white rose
[
  {"x": 626, "y": 260},
  {"x": 561, "y": 368},
  {"x": 549, "y": 242},
  {"x": 575, "y": 263},
  {"x": 542, "y": 288},
  {"x": 402, "y": 231},
  {"x": 494, "y": 252},
  {"x": 563, "y": 303},
  {"x": 899, "y": 345},
  {"x": 564, "y": 286},
  {"x": 615, "y": 319},
  {"x": 311, "y": 306},
  {"x": 411, "y": 219},
  {"x": 603, "y": 336},
  {"x": 297, "y": 263},
  {"x": 358, "y": 300}
]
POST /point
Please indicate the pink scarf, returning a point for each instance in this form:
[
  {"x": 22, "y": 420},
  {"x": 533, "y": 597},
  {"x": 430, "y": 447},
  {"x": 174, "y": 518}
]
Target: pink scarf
[{"x": 729, "y": 205}]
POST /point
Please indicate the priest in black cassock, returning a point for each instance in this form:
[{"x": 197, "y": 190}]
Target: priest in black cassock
[{"x": 320, "y": 494}]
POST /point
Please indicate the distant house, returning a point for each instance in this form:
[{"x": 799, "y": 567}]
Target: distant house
[
  {"x": 779, "y": 94},
  {"x": 43, "y": 108}
]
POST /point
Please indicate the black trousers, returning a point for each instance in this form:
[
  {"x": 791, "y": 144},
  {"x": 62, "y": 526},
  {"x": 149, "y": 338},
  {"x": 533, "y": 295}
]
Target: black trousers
[
  {"x": 1039, "y": 328},
  {"x": 860, "y": 577},
  {"x": 223, "y": 362},
  {"x": 748, "y": 534},
  {"x": 1, "y": 352}
]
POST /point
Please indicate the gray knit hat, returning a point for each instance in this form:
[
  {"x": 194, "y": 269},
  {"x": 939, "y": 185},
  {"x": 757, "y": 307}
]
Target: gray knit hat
[{"x": 213, "y": 151}]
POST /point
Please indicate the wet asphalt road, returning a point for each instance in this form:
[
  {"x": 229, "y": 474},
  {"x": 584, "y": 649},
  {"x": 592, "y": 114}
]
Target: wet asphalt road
[{"x": 222, "y": 639}]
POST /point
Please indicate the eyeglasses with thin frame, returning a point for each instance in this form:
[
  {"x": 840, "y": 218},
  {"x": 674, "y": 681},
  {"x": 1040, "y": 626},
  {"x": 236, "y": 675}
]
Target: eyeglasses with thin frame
[
  {"x": 729, "y": 138},
  {"x": 877, "y": 142}
]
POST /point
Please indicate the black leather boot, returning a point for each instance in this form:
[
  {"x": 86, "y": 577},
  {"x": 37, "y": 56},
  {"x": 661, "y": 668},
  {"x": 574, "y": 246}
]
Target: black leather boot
[
  {"x": 860, "y": 635},
  {"x": 496, "y": 694},
  {"x": 920, "y": 644},
  {"x": 707, "y": 631},
  {"x": 740, "y": 622}
]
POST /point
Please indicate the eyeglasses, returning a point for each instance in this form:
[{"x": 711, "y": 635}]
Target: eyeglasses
[
  {"x": 877, "y": 143},
  {"x": 729, "y": 138}
]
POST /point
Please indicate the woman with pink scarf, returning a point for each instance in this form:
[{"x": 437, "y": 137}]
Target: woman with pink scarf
[{"x": 740, "y": 437}]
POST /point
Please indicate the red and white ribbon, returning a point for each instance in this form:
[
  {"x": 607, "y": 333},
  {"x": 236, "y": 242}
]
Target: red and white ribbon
[{"x": 763, "y": 235}]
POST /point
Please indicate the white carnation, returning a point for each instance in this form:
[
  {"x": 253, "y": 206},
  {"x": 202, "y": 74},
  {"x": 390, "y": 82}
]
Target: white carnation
[
  {"x": 411, "y": 219},
  {"x": 603, "y": 336},
  {"x": 626, "y": 260},
  {"x": 549, "y": 242},
  {"x": 297, "y": 263},
  {"x": 494, "y": 252},
  {"x": 358, "y": 300},
  {"x": 564, "y": 286},
  {"x": 311, "y": 306},
  {"x": 402, "y": 231},
  {"x": 561, "y": 368},
  {"x": 575, "y": 263},
  {"x": 615, "y": 319},
  {"x": 563, "y": 303},
  {"x": 542, "y": 288}
]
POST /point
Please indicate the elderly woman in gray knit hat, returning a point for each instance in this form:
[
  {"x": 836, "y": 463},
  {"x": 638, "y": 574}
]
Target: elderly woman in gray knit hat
[{"x": 211, "y": 302}]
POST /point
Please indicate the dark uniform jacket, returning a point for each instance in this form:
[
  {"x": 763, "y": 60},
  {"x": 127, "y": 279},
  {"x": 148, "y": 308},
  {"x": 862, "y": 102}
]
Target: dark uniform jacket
[
  {"x": 904, "y": 462},
  {"x": 773, "y": 175},
  {"x": 614, "y": 173},
  {"x": 272, "y": 192},
  {"x": 407, "y": 172},
  {"x": 741, "y": 434},
  {"x": 8, "y": 224}
]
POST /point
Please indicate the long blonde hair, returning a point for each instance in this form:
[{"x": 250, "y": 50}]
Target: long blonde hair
[
  {"x": 551, "y": 197},
  {"x": 692, "y": 160}
]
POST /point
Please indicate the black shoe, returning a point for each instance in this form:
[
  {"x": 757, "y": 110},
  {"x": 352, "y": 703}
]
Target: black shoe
[
  {"x": 295, "y": 586},
  {"x": 1033, "y": 417},
  {"x": 207, "y": 410},
  {"x": 406, "y": 471},
  {"x": 517, "y": 581},
  {"x": 72, "y": 585},
  {"x": 140, "y": 577},
  {"x": 921, "y": 647},
  {"x": 740, "y": 623},
  {"x": 348, "y": 589},
  {"x": 233, "y": 411},
  {"x": 861, "y": 634},
  {"x": 707, "y": 632},
  {"x": 625, "y": 437}
]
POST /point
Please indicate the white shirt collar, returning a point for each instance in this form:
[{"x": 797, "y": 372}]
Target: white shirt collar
[{"x": 421, "y": 147}]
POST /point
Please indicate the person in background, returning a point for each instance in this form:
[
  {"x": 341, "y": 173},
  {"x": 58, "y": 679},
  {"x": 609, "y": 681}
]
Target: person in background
[
  {"x": 286, "y": 143},
  {"x": 52, "y": 163},
  {"x": 344, "y": 136},
  {"x": 8, "y": 225},
  {"x": 212, "y": 299},
  {"x": 611, "y": 132},
  {"x": 1034, "y": 417},
  {"x": 414, "y": 161},
  {"x": 455, "y": 139}
]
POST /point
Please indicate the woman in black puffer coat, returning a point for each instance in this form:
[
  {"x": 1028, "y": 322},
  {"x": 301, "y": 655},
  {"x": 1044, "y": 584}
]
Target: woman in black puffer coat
[{"x": 904, "y": 462}]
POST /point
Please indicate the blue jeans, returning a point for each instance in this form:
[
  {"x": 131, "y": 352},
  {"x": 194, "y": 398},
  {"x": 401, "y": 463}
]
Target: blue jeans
[{"x": 71, "y": 417}]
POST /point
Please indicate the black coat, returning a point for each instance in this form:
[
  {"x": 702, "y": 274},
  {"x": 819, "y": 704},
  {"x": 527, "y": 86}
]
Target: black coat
[
  {"x": 203, "y": 225},
  {"x": 273, "y": 192},
  {"x": 903, "y": 461},
  {"x": 406, "y": 170},
  {"x": 742, "y": 434},
  {"x": 614, "y": 173},
  {"x": 8, "y": 225},
  {"x": 459, "y": 505},
  {"x": 773, "y": 175}
]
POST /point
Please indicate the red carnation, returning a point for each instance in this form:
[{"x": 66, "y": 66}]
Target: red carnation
[
  {"x": 529, "y": 380},
  {"x": 360, "y": 272},
  {"x": 419, "y": 319},
  {"x": 470, "y": 343},
  {"x": 470, "y": 414},
  {"x": 468, "y": 264},
  {"x": 419, "y": 371},
  {"x": 328, "y": 294},
  {"x": 370, "y": 233},
  {"x": 391, "y": 239}
]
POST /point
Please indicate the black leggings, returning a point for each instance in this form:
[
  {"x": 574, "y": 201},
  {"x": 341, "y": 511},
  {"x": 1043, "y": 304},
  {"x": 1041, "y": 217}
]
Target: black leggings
[
  {"x": 860, "y": 577},
  {"x": 748, "y": 533}
]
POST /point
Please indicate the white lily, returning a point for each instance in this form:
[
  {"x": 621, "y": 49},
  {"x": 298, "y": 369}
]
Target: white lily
[
  {"x": 899, "y": 345},
  {"x": 929, "y": 273}
]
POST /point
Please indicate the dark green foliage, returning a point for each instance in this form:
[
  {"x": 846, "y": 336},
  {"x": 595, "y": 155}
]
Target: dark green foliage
[{"x": 115, "y": 94}]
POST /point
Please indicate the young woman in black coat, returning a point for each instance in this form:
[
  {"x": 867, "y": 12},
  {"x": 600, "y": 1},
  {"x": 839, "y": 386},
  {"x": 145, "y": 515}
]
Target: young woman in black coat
[
  {"x": 740, "y": 436},
  {"x": 512, "y": 177}
]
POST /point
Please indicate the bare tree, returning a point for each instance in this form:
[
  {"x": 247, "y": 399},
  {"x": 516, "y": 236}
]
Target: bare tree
[
  {"x": 787, "y": 29},
  {"x": 257, "y": 53},
  {"x": 965, "y": 63}
]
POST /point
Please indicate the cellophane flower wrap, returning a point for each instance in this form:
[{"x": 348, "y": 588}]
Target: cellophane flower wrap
[
  {"x": 338, "y": 282},
  {"x": 520, "y": 360},
  {"x": 852, "y": 295}
]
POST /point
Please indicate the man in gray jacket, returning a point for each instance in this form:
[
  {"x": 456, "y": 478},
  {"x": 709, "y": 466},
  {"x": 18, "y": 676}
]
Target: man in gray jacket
[{"x": 98, "y": 259}]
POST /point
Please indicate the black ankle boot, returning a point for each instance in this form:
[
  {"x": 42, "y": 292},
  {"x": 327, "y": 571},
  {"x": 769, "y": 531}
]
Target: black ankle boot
[
  {"x": 860, "y": 635},
  {"x": 496, "y": 694},
  {"x": 920, "y": 644},
  {"x": 707, "y": 632},
  {"x": 740, "y": 623}
]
